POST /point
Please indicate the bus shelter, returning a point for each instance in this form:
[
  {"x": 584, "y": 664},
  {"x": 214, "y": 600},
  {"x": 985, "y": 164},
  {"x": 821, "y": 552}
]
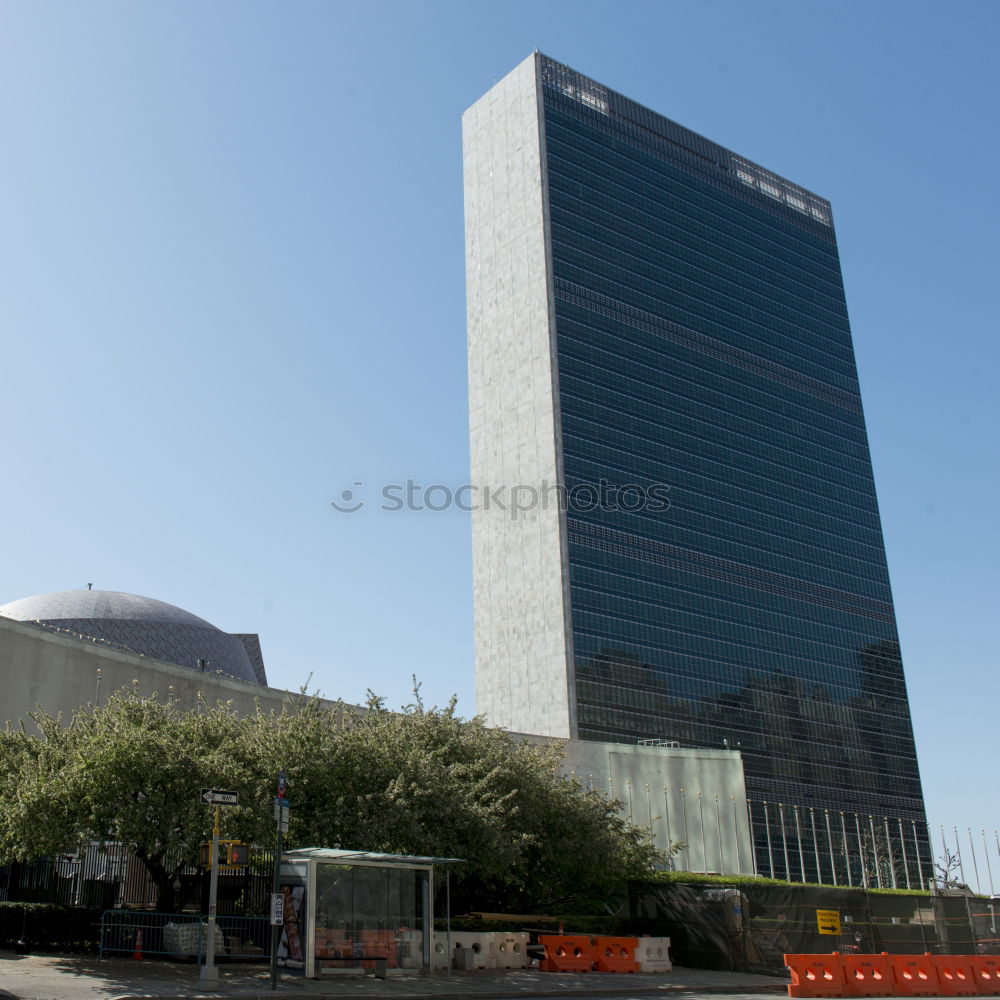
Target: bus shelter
[{"x": 357, "y": 910}]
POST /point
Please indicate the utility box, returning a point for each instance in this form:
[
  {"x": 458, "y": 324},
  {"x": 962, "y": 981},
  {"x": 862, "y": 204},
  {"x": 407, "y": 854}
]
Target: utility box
[{"x": 464, "y": 959}]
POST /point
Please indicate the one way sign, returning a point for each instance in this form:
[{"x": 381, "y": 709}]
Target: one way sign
[{"x": 213, "y": 797}]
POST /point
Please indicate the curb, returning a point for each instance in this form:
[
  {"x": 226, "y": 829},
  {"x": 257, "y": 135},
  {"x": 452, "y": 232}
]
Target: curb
[{"x": 763, "y": 989}]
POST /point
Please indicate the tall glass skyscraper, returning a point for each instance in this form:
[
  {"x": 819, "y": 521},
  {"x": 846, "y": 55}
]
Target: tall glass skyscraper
[{"x": 681, "y": 538}]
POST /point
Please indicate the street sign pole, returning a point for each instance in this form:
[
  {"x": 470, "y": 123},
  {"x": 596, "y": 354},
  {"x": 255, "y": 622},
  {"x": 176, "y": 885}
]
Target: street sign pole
[
  {"x": 281, "y": 818},
  {"x": 209, "y": 972},
  {"x": 276, "y": 928}
]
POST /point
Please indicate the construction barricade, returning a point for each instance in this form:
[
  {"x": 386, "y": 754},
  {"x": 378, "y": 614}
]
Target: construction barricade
[
  {"x": 509, "y": 951},
  {"x": 987, "y": 972},
  {"x": 565, "y": 953},
  {"x": 379, "y": 943},
  {"x": 411, "y": 949},
  {"x": 477, "y": 944},
  {"x": 816, "y": 976},
  {"x": 888, "y": 975},
  {"x": 956, "y": 977},
  {"x": 615, "y": 954},
  {"x": 868, "y": 975},
  {"x": 332, "y": 943},
  {"x": 440, "y": 956},
  {"x": 653, "y": 954},
  {"x": 915, "y": 975}
]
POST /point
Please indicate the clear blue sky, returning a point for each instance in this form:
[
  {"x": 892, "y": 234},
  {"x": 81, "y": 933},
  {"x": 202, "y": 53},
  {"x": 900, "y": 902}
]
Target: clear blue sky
[{"x": 231, "y": 265}]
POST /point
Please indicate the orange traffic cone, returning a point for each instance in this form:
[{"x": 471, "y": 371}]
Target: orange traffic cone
[{"x": 137, "y": 954}]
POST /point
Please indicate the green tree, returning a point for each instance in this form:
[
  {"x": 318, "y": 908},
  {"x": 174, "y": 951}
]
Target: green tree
[
  {"x": 425, "y": 781},
  {"x": 413, "y": 781},
  {"x": 128, "y": 771}
]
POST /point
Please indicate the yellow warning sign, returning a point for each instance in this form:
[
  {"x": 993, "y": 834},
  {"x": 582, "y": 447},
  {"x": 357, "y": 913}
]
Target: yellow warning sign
[{"x": 828, "y": 921}]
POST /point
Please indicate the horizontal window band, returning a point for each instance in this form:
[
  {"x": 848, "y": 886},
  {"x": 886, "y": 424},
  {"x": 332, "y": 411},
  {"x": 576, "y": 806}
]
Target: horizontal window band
[
  {"x": 664, "y": 554},
  {"x": 604, "y": 305}
]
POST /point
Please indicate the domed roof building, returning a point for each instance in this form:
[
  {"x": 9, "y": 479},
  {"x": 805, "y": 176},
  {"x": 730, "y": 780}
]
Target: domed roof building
[{"x": 147, "y": 626}]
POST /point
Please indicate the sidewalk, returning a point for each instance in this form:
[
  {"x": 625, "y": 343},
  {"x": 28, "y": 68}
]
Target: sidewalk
[{"x": 55, "y": 977}]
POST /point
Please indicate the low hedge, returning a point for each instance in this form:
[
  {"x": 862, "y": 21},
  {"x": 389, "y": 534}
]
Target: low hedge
[
  {"x": 698, "y": 878},
  {"x": 50, "y": 927},
  {"x": 596, "y": 926}
]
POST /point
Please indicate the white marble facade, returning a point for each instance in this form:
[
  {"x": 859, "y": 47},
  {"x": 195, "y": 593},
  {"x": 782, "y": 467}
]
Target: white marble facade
[{"x": 524, "y": 675}]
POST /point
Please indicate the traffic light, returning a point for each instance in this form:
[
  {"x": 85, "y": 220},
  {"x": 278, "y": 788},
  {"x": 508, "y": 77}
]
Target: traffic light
[
  {"x": 232, "y": 854},
  {"x": 238, "y": 855}
]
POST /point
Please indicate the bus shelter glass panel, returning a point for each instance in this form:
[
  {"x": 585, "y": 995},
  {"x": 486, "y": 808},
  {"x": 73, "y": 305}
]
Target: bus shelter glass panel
[
  {"x": 365, "y": 913},
  {"x": 293, "y": 887}
]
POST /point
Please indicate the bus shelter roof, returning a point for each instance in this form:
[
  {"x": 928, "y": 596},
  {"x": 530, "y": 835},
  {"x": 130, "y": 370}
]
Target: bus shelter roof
[{"x": 343, "y": 857}]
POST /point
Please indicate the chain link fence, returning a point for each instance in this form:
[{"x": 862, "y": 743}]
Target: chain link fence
[{"x": 751, "y": 927}]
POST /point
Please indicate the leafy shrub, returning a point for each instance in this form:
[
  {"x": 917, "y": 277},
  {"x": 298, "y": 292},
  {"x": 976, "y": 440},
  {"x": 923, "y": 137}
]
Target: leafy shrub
[{"x": 50, "y": 927}]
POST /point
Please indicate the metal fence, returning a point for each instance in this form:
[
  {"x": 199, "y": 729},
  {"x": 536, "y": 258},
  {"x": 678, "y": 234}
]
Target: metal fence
[
  {"x": 808, "y": 844},
  {"x": 751, "y": 927},
  {"x": 791, "y": 842},
  {"x": 105, "y": 876},
  {"x": 822, "y": 846},
  {"x": 183, "y": 936}
]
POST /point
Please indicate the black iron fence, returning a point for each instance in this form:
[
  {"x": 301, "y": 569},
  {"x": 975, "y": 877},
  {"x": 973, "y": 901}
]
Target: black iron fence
[{"x": 106, "y": 876}]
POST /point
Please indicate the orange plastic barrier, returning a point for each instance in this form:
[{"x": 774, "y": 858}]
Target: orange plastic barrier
[
  {"x": 916, "y": 975},
  {"x": 565, "y": 953},
  {"x": 379, "y": 943},
  {"x": 888, "y": 975},
  {"x": 615, "y": 954},
  {"x": 986, "y": 969},
  {"x": 868, "y": 976},
  {"x": 816, "y": 976},
  {"x": 956, "y": 977},
  {"x": 331, "y": 943}
]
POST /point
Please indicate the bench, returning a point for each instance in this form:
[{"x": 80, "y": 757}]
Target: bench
[{"x": 381, "y": 961}]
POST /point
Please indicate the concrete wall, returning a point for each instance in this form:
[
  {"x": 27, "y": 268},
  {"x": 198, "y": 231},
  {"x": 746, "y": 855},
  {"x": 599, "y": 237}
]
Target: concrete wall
[
  {"x": 59, "y": 673},
  {"x": 682, "y": 794}
]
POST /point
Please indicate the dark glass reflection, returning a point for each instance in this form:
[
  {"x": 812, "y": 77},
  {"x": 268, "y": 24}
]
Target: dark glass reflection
[{"x": 703, "y": 343}]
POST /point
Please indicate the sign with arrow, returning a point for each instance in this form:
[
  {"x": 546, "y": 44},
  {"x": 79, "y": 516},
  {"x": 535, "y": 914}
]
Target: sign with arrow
[
  {"x": 213, "y": 797},
  {"x": 828, "y": 921}
]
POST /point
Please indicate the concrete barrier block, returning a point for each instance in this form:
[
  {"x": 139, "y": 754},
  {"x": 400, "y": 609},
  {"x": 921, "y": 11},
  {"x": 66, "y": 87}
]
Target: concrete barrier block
[
  {"x": 509, "y": 950},
  {"x": 653, "y": 954},
  {"x": 477, "y": 943}
]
